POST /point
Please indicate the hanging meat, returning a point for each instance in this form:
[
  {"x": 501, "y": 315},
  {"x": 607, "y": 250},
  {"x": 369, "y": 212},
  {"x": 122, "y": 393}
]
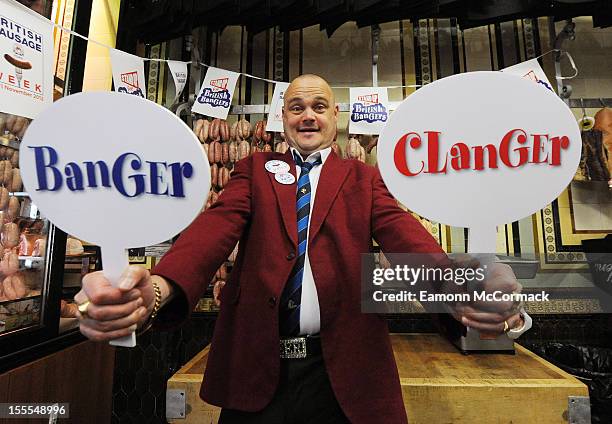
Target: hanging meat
[
  {"x": 214, "y": 131},
  {"x": 243, "y": 129},
  {"x": 603, "y": 123},
  {"x": 594, "y": 156},
  {"x": 337, "y": 149},
  {"x": 353, "y": 148}
]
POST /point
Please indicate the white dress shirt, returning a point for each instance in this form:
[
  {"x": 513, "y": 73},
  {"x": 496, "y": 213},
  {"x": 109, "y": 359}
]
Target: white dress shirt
[{"x": 310, "y": 315}]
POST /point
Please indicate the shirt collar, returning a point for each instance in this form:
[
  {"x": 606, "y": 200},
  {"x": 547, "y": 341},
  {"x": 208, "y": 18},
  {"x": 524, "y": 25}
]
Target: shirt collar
[{"x": 324, "y": 153}]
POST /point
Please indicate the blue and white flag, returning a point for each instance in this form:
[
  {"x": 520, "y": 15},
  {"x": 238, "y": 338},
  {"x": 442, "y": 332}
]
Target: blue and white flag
[
  {"x": 530, "y": 69},
  {"x": 369, "y": 110},
  {"x": 128, "y": 73},
  {"x": 215, "y": 96}
]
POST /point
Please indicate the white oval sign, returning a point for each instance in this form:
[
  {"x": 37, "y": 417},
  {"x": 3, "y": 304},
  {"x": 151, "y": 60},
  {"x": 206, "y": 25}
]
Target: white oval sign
[
  {"x": 479, "y": 149},
  {"x": 114, "y": 170}
]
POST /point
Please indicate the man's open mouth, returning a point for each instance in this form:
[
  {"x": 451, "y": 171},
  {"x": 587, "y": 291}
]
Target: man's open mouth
[{"x": 308, "y": 130}]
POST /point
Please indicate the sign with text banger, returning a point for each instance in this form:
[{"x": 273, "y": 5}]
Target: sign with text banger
[
  {"x": 26, "y": 60},
  {"x": 478, "y": 150},
  {"x": 117, "y": 186}
]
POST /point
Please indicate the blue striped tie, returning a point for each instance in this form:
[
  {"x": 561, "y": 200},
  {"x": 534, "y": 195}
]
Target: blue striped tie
[{"x": 292, "y": 293}]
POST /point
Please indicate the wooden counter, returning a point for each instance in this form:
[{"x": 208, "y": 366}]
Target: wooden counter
[{"x": 440, "y": 385}]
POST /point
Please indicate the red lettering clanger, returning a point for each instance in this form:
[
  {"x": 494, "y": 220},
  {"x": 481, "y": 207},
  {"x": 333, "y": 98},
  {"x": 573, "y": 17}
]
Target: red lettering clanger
[{"x": 516, "y": 149}]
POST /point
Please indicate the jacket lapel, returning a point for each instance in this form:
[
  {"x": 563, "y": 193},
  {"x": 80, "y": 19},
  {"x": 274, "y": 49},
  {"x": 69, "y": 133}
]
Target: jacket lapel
[
  {"x": 332, "y": 177},
  {"x": 285, "y": 195}
]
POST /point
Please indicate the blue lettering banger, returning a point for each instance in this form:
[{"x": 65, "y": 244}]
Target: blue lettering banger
[
  {"x": 215, "y": 98},
  {"x": 50, "y": 178},
  {"x": 369, "y": 113}
]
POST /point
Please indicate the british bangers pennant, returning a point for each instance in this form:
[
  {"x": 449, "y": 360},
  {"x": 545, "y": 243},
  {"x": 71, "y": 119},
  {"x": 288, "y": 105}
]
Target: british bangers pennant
[
  {"x": 215, "y": 96},
  {"x": 369, "y": 110},
  {"x": 128, "y": 73}
]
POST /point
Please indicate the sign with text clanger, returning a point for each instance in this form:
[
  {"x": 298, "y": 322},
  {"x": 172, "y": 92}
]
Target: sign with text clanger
[
  {"x": 26, "y": 60},
  {"x": 118, "y": 186},
  {"x": 478, "y": 150}
]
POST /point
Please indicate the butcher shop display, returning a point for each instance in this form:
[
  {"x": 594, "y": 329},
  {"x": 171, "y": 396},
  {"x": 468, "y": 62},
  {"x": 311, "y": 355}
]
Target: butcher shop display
[{"x": 22, "y": 238}]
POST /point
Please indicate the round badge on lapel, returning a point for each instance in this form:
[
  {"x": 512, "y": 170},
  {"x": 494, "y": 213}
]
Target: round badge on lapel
[
  {"x": 285, "y": 178},
  {"x": 277, "y": 167}
]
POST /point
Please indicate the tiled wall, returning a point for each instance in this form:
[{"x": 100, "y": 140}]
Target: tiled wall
[{"x": 592, "y": 206}]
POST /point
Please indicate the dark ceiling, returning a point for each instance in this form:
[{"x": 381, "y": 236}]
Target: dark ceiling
[{"x": 153, "y": 21}]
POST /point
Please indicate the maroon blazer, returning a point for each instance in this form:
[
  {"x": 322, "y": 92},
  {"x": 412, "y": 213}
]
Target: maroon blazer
[{"x": 352, "y": 206}]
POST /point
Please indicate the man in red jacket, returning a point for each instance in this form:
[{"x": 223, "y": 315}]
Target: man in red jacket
[{"x": 290, "y": 343}]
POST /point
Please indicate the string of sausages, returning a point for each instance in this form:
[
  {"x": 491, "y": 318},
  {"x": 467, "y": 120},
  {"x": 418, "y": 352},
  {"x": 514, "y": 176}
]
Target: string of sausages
[{"x": 17, "y": 235}]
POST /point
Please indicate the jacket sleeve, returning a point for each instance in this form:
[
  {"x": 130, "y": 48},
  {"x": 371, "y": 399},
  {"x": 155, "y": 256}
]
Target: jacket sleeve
[
  {"x": 394, "y": 229},
  {"x": 200, "y": 250},
  {"x": 397, "y": 232}
]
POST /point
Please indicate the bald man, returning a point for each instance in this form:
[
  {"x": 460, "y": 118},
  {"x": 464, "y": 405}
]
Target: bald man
[{"x": 290, "y": 343}]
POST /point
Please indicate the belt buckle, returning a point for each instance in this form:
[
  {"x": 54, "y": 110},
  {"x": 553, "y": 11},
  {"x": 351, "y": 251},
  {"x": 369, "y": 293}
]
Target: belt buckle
[{"x": 294, "y": 348}]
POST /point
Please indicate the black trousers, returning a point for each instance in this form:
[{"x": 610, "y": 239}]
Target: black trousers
[{"x": 304, "y": 396}]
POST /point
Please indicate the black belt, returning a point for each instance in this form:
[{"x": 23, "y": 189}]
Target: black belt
[{"x": 300, "y": 347}]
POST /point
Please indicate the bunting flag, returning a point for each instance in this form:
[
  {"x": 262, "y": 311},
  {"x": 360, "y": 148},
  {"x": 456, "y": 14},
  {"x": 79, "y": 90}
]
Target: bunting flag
[
  {"x": 532, "y": 70},
  {"x": 179, "y": 75},
  {"x": 215, "y": 96},
  {"x": 128, "y": 73},
  {"x": 275, "y": 116},
  {"x": 26, "y": 76},
  {"x": 26, "y": 61},
  {"x": 369, "y": 110}
]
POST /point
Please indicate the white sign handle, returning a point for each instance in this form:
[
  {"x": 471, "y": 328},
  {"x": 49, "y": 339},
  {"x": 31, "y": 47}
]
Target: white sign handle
[
  {"x": 115, "y": 261},
  {"x": 482, "y": 242}
]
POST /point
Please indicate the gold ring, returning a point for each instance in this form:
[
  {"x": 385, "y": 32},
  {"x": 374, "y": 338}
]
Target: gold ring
[
  {"x": 506, "y": 327},
  {"x": 82, "y": 307}
]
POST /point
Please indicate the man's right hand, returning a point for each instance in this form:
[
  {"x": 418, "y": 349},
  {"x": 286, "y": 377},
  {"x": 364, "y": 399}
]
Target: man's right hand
[{"x": 114, "y": 312}]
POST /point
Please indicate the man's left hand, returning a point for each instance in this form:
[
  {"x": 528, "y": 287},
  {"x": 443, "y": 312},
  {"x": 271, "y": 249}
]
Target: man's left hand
[{"x": 493, "y": 317}]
